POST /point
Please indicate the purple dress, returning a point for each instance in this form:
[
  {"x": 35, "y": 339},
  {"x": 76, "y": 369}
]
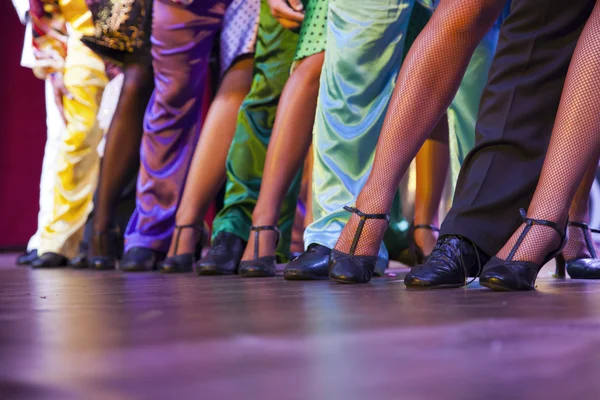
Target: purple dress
[{"x": 182, "y": 39}]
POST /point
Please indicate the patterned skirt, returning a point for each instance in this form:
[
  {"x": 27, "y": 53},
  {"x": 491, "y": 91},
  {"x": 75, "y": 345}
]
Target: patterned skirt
[{"x": 122, "y": 29}]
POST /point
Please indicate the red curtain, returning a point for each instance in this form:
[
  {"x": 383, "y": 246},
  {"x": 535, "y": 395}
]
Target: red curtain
[{"x": 22, "y": 135}]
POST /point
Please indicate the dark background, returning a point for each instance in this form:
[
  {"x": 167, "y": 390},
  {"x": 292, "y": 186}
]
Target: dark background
[{"x": 22, "y": 135}]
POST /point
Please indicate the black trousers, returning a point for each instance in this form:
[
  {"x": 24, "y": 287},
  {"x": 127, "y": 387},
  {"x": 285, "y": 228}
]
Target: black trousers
[{"x": 516, "y": 116}]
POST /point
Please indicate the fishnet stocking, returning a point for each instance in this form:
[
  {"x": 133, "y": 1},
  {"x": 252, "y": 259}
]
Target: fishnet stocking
[
  {"x": 428, "y": 80},
  {"x": 121, "y": 154},
  {"x": 576, "y": 246},
  {"x": 289, "y": 144},
  {"x": 432, "y": 164},
  {"x": 207, "y": 169},
  {"x": 575, "y": 144}
]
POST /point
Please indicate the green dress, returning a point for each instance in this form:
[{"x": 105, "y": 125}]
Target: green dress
[
  {"x": 313, "y": 33},
  {"x": 275, "y": 50}
]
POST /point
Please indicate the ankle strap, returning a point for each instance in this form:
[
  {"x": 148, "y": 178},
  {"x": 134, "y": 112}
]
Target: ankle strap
[
  {"x": 583, "y": 226},
  {"x": 529, "y": 222},
  {"x": 258, "y": 229},
  {"x": 362, "y": 215},
  {"x": 586, "y": 234},
  {"x": 361, "y": 224},
  {"x": 178, "y": 228},
  {"x": 426, "y": 226}
]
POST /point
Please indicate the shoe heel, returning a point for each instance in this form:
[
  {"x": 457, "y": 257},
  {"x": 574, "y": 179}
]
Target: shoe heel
[{"x": 560, "y": 270}]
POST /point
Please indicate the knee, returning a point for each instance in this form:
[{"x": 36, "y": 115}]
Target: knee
[
  {"x": 138, "y": 79},
  {"x": 308, "y": 70},
  {"x": 473, "y": 17}
]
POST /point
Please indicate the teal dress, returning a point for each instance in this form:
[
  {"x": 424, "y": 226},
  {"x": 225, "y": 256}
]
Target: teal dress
[{"x": 365, "y": 45}]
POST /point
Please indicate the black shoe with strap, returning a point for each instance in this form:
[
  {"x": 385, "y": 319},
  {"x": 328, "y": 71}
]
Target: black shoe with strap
[
  {"x": 583, "y": 267},
  {"x": 108, "y": 247},
  {"x": 513, "y": 275},
  {"x": 141, "y": 259},
  {"x": 260, "y": 267},
  {"x": 417, "y": 251},
  {"x": 453, "y": 260},
  {"x": 224, "y": 255},
  {"x": 350, "y": 268},
  {"x": 184, "y": 262}
]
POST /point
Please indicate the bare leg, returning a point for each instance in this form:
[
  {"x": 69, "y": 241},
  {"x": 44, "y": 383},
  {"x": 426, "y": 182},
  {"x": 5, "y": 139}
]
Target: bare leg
[
  {"x": 207, "y": 171},
  {"x": 292, "y": 135},
  {"x": 122, "y": 151},
  {"x": 427, "y": 83},
  {"x": 433, "y": 161}
]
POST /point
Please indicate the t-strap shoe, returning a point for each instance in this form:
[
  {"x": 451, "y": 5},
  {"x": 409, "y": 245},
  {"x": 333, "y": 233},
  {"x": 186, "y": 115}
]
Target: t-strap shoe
[
  {"x": 349, "y": 268},
  {"x": 260, "y": 267},
  {"x": 512, "y": 275}
]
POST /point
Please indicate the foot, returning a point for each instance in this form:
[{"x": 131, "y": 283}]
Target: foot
[
  {"x": 580, "y": 253},
  {"x": 107, "y": 246},
  {"x": 348, "y": 268},
  {"x": 262, "y": 267},
  {"x": 223, "y": 257},
  {"x": 311, "y": 265},
  {"x": 50, "y": 260},
  {"x": 518, "y": 263},
  {"x": 138, "y": 259},
  {"x": 453, "y": 260},
  {"x": 180, "y": 263},
  {"x": 27, "y": 258},
  {"x": 80, "y": 261}
]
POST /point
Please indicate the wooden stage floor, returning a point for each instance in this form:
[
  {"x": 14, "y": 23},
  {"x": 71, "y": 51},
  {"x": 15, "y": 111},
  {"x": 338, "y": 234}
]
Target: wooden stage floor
[{"x": 68, "y": 334}]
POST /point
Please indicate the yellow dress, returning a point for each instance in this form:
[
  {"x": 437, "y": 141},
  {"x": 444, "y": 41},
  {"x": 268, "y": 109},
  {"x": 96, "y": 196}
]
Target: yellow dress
[{"x": 58, "y": 25}]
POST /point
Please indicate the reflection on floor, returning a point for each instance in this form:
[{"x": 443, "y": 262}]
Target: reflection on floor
[{"x": 107, "y": 335}]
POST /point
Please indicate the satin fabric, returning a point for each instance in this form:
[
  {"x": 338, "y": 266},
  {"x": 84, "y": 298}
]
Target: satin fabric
[
  {"x": 275, "y": 51},
  {"x": 365, "y": 40},
  {"x": 77, "y": 162},
  {"x": 55, "y": 128},
  {"x": 182, "y": 39}
]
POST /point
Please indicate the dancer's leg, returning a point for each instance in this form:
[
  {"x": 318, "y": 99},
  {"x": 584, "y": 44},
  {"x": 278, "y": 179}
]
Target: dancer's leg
[
  {"x": 574, "y": 146},
  {"x": 245, "y": 162},
  {"x": 432, "y": 162},
  {"x": 207, "y": 171},
  {"x": 291, "y": 138},
  {"x": 121, "y": 154},
  {"x": 577, "y": 246},
  {"x": 182, "y": 38},
  {"x": 426, "y": 85}
]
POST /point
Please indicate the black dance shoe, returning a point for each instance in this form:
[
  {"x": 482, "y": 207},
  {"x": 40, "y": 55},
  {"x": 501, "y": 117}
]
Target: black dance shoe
[
  {"x": 80, "y": 261},
  {"x": 311, "y": 265},
  {"x": 108, "y": 246},
  {"x": 27, "y": 258},
  {"x": 223, "y": 257},
  {"x": 50, "y": 260},
  {"x": 583, "y": 268},
  {"x": 139, "y": 259},
  {"x": 349, "y": 268},
  {"x": 183, "y": 262},
  {"x": 452, "y": 261},
  {"x": 260, "y": 267},
  {"x": 512, "y": 275}
]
